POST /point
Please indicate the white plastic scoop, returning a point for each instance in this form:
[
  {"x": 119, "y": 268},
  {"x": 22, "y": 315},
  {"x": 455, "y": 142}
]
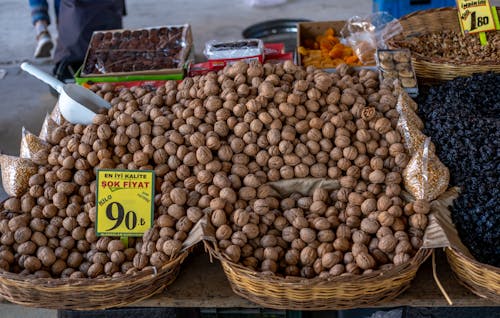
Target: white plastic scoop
[{"x": 78, "y": 105}]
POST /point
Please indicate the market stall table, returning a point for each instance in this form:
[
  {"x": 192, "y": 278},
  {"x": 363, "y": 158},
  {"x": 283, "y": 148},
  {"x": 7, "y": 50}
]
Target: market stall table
[{"x": 203, "y": 284}]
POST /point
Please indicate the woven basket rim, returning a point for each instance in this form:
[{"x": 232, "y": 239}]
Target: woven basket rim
[
  {"x": 421, "y": 255},
  {"x": 427, "y": 11},
  {"x": 431, "y": 11},
  {"x": 89, "y": 293},
  {"x": 92, "y": 283},
  {"x": 459, "y": 254},
  {"x": 419, "y": 58}
]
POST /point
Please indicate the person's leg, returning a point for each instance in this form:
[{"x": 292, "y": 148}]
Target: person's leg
[
  {"x": 78, "y": 19},
  {"x": 41, "y": 20},
  {"x": 39, "y": 11},
  {"x": 57, "y": 4}
]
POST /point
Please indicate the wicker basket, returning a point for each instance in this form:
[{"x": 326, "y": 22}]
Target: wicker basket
[
  {"x": 86, "y": 293},
  {"x": 94, "y": 293},
  {"x": 297, "y": 293},
  {"x": 430, "y": 69},
  {"x": 482, "y": 279}
]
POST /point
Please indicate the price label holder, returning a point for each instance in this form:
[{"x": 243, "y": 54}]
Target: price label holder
[
  {"x": 125, "y": 202},
  {"x": 477, "y": 16}
]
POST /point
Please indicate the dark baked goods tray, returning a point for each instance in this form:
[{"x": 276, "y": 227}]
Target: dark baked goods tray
[{"x": 146, "y": 51}]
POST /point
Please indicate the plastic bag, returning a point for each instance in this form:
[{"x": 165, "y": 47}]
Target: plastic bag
[
  {"x": 48, "y": 126},
  {"x": 366, "y": 34},
  {"x": 407, "y": 106},
  {"x": 57, "y": 116},
  {"x": 426, "y": 177},
  {"x": 31, "y": 144},
  {"x": 238, "y": 49},
  {"x": 16, "y": 173},
  {"x": 410, "y": 126}
]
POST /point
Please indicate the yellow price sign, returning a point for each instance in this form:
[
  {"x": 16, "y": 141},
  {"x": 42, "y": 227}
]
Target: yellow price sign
[
  {"x": 475, "y": 16},
  {"x": 124, "y": 204}
]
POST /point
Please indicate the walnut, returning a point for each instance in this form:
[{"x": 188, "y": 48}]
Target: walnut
[
  {"x": 401, "y": 258},
  {"x": 308, "y": 256},
  {"x": 385, "y": 218},
  {"x": 387, "y": 243},
  {"x": 418, "y": 221},
  {"x": 318, "y": 207},
  {"x": 342, "y": 141},
  {"x": 172, "y": 247},
  {"x": 269, "y": 266},
  {"x": 377, "y": 176},
  {"x": 341, "y": 244},
  {"x": 268, "y": 241},
  {"x": 369, "y": 226},
  {"x": 383, "y": 125},
  {"x": 383, "y": 203},
  {"x": 218, "y": 217},
  {"x": 307, "y": 235},
  {"x": 337, "y": 270},
  {"x": 421, "y": 206},
  {"x": 358, "y": 248},
  {"x": 365, "y": 260},
  {"x": 292, "y": 257},
  {"x": 251, "y": 230},
  {"x": 224, "y": 232},
  {"x": 368, "y": 113}
]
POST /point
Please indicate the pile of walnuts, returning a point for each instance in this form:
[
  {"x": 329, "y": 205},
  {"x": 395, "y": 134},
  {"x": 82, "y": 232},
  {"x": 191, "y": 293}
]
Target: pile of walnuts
[
  {"x": 447, "y": 46},
  {"x": 327, "y": 234},
  {"x": 307, "y": 123},
  {"x": 214, "y": 142}
]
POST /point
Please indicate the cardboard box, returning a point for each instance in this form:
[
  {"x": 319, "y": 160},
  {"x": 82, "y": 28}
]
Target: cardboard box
[
  {"x": 184, "y": 56},
  {"x": 309, "y": 30}
]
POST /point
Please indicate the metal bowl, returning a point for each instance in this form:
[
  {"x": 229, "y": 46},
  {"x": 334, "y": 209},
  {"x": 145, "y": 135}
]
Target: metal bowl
[{"x": 280, "y": 30}]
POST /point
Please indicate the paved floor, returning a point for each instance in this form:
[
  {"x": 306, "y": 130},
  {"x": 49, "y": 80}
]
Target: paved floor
[{"x": 24, "y": 100}]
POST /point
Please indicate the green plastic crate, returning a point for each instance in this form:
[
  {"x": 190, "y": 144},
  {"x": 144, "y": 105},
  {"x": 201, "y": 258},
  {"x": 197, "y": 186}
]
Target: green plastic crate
[{"x": 85, "y": 81}]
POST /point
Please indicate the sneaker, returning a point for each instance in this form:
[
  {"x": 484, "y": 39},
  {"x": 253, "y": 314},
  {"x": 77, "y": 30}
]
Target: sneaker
[{"x": 44, "y": 45}]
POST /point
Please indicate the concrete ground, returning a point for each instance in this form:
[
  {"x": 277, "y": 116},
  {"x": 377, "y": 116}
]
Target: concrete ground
[{"x": 24, "y": 100}]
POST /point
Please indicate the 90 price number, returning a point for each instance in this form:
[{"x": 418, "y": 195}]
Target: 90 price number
[
  {"x": 115, "y": 212},
  {"x": 117, "y": 217}
]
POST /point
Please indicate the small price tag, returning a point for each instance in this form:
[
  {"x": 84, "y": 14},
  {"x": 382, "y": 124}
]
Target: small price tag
[
  {"x": 475, "y": 16},
  {"x": 124, "y": 202}
]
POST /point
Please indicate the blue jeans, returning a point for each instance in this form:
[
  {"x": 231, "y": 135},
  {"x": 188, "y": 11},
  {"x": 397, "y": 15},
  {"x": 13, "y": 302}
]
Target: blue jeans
[{"x": 40, "y": 10}]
